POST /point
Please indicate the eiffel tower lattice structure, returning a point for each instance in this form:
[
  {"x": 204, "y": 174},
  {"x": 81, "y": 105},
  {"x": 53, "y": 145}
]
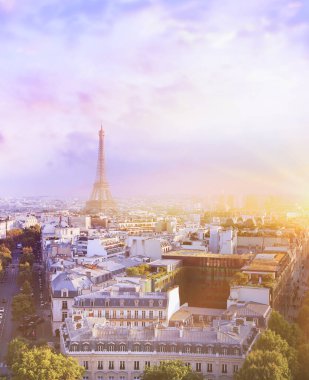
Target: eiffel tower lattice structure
[{"x": 101, "y": 199}]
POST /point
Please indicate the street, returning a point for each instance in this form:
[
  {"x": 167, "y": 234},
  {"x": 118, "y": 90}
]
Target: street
[{"x": 8, "y": 288}]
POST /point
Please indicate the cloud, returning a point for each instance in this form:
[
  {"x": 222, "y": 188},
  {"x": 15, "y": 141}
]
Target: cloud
[{"x": 212, "y": 91}]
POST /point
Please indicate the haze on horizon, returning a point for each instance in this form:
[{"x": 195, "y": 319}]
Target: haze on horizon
[{"x": 194, "y": 96}]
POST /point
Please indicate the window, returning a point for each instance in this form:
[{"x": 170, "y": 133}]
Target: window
[
  {"x": 107, "y": 314},
  {"x": 136, "y": 314},
  {"x": 86, "y": 347},
  {"x": 235, "y": 368},
  {"x": 173, "y": 348},
  {"x": 135, "y": 323},
  {"x": 122, "y": 365},
  {"x": 151, "y": 303},
  {"x": 121, "y": 313},
  {"x": 160, "y": 314},
  {"x": 209, "y": 367},
  {"x": 106, "y": 302},
  {"x": 110, "y": 365},
  {"x": 100, "y": 347},
  {"x": 121, "y": 377},
  {"x": 64, "y": 293},
  {"x": 74, "y": 347},
  {"x": 147, "y": 348},
  {"x": 198, "y": 367},
  {"x": 128, "y": 323},
  {"x": 147, "y": 364},
  {"x": 64, "y": 316},
  {"x": 86, "y": 366},
  {"x": 210, "y": 350},
  {"x": 143, "y": 324},
  {"x": 128, "y": 313},
  {"x": 198, "y": 350},
  {"x": 64, "y": 305},
  {"x": 136, "y": 347},
  {"x": 187, "y": 350},
  {"x": 136, "y": 365},
  {"x": 161, "y": 348},
  {"x": 100, "y": 377},
  {"x": 160, "y": 302},
  {"x": 111, "y": 347},
  {"x": 143, "y": 314},
  {"x": 122, "y": 347},
  {"x": 85, "y": 378},
  {"x": 136, "y": 303},
  {"x": 188, "y": 365},
  {"x": 224, "y": 368},
  {"x": 114, "y": 314},
  {"x": 224, "y": 351},
  {"x": 110, "y": 377},
  {"x": 151, "y": 314},
  {"x": 122, "y": 303},
  {"x": 100, "y": 364}
]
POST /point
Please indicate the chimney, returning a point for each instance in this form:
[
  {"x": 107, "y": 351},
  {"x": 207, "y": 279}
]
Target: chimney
[{"x": 181, "y": 332}]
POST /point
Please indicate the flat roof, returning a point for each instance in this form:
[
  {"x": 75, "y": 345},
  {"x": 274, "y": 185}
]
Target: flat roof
[{"x": 197, "y": 253}]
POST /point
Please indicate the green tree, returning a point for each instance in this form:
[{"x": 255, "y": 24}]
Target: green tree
[
  {"x": 264, "y": 365},
  {"x": 270, "y": 341},
  {"x": 5, "y": 255},
  {"x": 303, "y": 319},
  {"x": 25, "y": 273},
  {"x": 27, "y": 256},
  {"x": 240, "y": 278},
  {"x": 288, "y": 331},
  {"x": 22, "y": 305},
  {"x": 15, "y": 349},
  {"x": 170, "y": 370},
  {"x": 26, "y": 288},
  {"x": 303, "y": 358},
  {"x": 41, "y": 363}
]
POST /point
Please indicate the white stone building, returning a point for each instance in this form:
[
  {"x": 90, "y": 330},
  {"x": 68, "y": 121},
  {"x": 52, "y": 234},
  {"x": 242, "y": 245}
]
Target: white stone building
[{"x": 120, "y": 353}]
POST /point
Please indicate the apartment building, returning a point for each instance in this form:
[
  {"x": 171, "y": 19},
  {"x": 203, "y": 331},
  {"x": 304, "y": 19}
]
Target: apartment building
[
  {"x": 127, "y": 306},
  {"x": 120, "y": 353}
]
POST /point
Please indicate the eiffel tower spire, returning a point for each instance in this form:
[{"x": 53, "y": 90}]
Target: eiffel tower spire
[{"x": 101, "y": 199}]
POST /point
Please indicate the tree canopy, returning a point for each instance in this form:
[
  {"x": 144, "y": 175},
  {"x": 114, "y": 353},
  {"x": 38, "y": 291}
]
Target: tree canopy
[
  {"x": 170, "y": 370},
  {"x": 288, "y": 331},
  {"x": 270, "y": 341},
  {"x": 22, "y": 305},
  {"x": 40, "y": 363},
  {"x": 264, "y": 365}
]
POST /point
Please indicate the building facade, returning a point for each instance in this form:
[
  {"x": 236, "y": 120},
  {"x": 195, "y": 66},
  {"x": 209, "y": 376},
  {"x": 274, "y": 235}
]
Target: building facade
[{"x": 116, "y": 353}]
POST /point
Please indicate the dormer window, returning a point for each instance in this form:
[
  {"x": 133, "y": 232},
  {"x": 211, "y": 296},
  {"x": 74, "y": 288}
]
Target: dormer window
[
  {"x": 160, "y": 303},
  {"x": 100, "y": 347},
  {"x": 151, "y": 303},
  {"x": 136, "y": 303},
  {"x": 106, "y": 302},
  {"x": 121, "y": 303},
  {"x": 64, "y": 293}
]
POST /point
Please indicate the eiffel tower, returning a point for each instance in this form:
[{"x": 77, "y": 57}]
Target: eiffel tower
[{"x": 101, "y": 199}]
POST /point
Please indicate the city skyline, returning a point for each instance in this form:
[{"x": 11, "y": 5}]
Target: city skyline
[{"x": 195, "y": 97}]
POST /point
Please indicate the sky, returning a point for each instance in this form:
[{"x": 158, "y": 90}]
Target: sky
[{"x": 195, "y": 96}]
